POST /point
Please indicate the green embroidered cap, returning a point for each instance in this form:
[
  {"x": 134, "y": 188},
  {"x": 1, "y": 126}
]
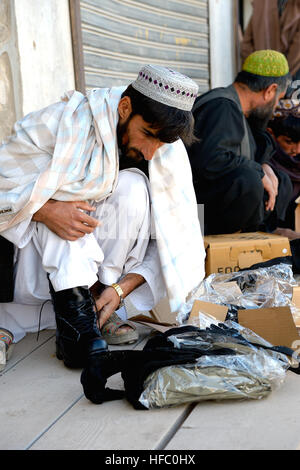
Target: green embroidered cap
[{"x": 267, "y": 63}]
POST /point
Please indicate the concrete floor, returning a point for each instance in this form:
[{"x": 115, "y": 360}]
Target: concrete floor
[{"x": 43, "y": 408}]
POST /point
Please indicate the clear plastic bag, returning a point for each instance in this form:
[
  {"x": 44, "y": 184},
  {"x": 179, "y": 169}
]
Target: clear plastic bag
[
  {"x": 248, "y": 372},
  {"x": 257, "y": 288},
  {"x": 212, "y": 378},
  {"x": 235, "y": 342}
]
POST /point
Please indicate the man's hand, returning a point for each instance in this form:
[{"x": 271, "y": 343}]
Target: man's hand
[
  {"x": 66, "y": 219},
  {"x": 268, "y": 170},
  {"x": 270, "y": 184},
  {"x": 109, "y": 299},
  {"x": 106, "y": 304}
]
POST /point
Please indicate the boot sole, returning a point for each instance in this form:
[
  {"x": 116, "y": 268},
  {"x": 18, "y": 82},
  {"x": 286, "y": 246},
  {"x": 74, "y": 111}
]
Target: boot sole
[{"x": 68, "y": 364}]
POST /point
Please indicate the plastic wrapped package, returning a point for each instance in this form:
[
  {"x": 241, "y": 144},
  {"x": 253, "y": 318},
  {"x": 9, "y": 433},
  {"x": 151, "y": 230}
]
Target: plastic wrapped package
[
  {"x": 263, "y": 287},
  {"x": 213, "y": 378},
  {"x": 229, "y": 366},
  {"x": 231, "y": 335},
  {"x": 257, "y": 288},
  {"x": 227, "y": 333}
]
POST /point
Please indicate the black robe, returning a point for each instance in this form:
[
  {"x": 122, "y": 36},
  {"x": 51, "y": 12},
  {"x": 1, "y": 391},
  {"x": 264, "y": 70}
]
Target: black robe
[{"x": 227, "y": 182}]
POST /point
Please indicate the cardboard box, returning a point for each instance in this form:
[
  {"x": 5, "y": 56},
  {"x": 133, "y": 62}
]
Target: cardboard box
[
  {"x": 296, "y": 302},
  {"x": 162, "y": 313},
  {"x": 275, "y": 324},
  {"x": 231, "y": 252},
  {"x": 161, "y": 318}
]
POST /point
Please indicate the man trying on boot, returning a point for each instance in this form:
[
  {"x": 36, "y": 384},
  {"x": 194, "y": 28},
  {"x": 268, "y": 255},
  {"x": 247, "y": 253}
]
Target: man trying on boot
[{"x": 76, "y": 183}]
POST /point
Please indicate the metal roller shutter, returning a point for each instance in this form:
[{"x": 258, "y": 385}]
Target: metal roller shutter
[{"x": 118, "y": 36}]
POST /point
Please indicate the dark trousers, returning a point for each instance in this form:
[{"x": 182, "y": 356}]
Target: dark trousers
[
  {"x": 6, "y": 270},
  {"x": 236, "y": 202}
]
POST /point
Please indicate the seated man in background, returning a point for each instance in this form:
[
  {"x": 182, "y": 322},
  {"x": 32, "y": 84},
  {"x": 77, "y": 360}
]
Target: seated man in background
[
  {"x": 231, "y": 173},
  {"x": 95, "y": 153},
  {"x": 285, "y": 129}
]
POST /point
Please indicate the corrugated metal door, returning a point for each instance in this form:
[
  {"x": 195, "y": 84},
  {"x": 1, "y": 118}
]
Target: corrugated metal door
[{"x": 119, "y": 36}]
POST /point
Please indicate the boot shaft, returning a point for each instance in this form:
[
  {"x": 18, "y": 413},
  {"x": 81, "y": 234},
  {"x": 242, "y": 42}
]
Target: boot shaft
[{"x": 75, "y": 313}]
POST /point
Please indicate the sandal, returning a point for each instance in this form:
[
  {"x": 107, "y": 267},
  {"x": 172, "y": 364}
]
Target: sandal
[
  {"x": 112, "y": 325},
  {"x": 6, "y": 347}
]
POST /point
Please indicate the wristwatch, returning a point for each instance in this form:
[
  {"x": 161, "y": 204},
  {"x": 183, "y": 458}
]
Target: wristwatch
[{"x": 120, "y": 293}]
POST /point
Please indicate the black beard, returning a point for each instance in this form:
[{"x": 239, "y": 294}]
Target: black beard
[
  {"x": 130, "y": 157},
  {"x": 259, "y": 117},
  {"x": 127, "y": 152}
]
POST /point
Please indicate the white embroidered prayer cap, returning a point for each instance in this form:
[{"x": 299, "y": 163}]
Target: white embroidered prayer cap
[{"x": 166, "y": 86}]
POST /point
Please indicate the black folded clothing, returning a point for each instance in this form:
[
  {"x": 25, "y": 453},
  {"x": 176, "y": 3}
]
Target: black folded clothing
[{"x": 160, "y": 351}]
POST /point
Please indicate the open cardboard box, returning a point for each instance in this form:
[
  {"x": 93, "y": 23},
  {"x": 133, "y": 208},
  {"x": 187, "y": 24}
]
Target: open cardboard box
[
  {"x": 275, "y": 324},
  {"x": 161, "y": 318}
]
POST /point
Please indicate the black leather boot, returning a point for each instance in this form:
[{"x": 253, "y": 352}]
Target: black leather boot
[
  {"x": 77, "y": 329},
  {"x": 99, "y": 368}
]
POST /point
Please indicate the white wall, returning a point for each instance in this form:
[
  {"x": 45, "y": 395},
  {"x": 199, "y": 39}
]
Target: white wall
[
  {"x": 10, "y": 85},
  {"x": 45, "y": 51},
  {"x": 222, "y": 42}
]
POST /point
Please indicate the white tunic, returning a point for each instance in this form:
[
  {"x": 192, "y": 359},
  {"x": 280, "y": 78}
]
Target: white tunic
[{"x": 120, "y": 245}]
